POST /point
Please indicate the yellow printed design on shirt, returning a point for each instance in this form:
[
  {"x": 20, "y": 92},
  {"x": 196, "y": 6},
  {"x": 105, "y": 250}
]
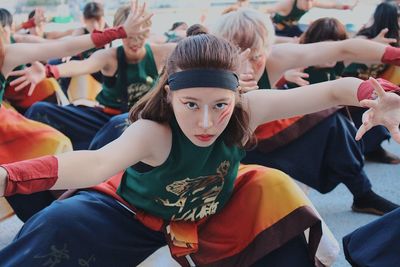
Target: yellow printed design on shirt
[{"x": 196, "y": 196}]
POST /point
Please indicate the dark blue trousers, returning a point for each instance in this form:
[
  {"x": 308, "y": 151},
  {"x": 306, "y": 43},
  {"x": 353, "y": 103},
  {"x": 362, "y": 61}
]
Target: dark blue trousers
[
  {"x": 92, "y": 229},
  {"x": 110, "y": 131},
  {"x": 321, "y": 158},
  {"x": 376, "y": 244},
  {"x": 79, "y": 123}
]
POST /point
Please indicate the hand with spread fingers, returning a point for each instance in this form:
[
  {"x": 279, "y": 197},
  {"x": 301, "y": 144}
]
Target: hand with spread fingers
[
  {"x": 29, "y": 77},
  {"x": 297, "y": 76},
  {"x": 137, "y": 21},
  {"x": 380, "y": 38},
  {"x": 247, "y": 80},
  {"x": 383, "y": 110}
]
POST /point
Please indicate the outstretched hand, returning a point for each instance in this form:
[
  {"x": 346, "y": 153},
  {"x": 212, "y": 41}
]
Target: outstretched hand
[
  {"x": 137, "y": 22},
  {"x": 29, "y": 77},
  {"x": 39, "y": 17},
  {"x": 380, "y": 38},
  {"x": 247, "y": 80},
  {"x": 297, "y": 76},
  {"x": 384, "y": 110}
]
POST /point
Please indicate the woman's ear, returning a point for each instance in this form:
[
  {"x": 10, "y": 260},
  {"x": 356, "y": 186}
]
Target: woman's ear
[{"x": 168, "y": 93}]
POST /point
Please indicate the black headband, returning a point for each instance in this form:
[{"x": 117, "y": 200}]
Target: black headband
[{"x": 203, "y": 78}]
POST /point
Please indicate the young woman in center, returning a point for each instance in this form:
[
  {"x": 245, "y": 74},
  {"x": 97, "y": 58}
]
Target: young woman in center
[{"x": 176, "y": 176}]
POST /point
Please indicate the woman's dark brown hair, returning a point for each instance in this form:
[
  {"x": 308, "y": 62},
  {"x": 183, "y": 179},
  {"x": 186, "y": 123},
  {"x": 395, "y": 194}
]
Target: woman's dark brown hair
[
  {"x": 196, "y": 29},
  {"x": 202, "y": 51},
  {"x": 93, "y": 10},
  {"x": 324, "y": 29}
]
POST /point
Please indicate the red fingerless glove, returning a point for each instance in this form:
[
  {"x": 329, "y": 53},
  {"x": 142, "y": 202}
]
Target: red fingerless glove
[
  {"x": 30, "y": 176},
  {"x": 391, "y": 55},
  {"x": 52, "y": 71},
  {"x": 29, "y": 24},
  {"x": 100, "y": 39},
  {"x": 346, "y": 7},
  {"x": 366, "y": 89}
]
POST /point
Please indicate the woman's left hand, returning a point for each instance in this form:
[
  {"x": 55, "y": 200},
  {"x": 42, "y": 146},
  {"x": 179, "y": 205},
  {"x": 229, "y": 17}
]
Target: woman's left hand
[{"x": 384, "y": 110}]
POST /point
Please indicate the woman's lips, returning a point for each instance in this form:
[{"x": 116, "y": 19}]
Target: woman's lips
[{"x": 204, "y": 137}]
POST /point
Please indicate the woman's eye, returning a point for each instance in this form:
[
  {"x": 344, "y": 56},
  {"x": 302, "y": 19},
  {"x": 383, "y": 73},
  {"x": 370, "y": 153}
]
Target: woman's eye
[
  {"x": 220, "y": 105},
  {"x": 191, "y": 105},
  {"x": 255, "y": 57}
]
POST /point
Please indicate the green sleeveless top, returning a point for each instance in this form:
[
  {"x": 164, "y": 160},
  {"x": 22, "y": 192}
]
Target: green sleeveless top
[
  {"x": 192, "y": 183},
  {"x": 264, "y": 82},
  {"x": 293, "y": 17},
  {"x": 130, "y": 83},
  {"x": 317, "y": 75},
  {"x": 2, "y": 87}
]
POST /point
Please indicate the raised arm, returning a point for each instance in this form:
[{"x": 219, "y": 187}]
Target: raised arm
[
  {"x": 19, "y": 54},
  {"x": 356, "y": 50},
  {"x": 59, "y": 34},
  {"x": 80, "y": 169},
  {"x": 104, "y": 60},
  {"x": 268, "y": 105}
]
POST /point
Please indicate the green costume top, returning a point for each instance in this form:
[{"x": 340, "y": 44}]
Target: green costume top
[
  {"x": 130, "y": 83},
  {"x": 264, "y": 82},
  {"x": 292, "y": 18},
  {"x": 194, "y": 182}
]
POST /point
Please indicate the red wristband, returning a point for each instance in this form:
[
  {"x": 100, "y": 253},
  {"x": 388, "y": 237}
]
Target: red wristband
[
  {"x": 52, "y": 71},
  {"x": 391, "y": 55},
  {"x": 30, "y": 176},
  {"x": 346, "y": 7},
  {"x": 29, "y": 24},
  {"x": 366, "y": 89},
  {"x": 282, "y": 81},
  {"x": 100, "y": 39}
]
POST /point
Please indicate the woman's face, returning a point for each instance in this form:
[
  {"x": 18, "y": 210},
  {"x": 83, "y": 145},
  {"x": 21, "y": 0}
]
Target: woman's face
[
  {"x": 202, "y": 113},
  {"x": 133, "y": 45},
  {"x": 255, "y": 64}
]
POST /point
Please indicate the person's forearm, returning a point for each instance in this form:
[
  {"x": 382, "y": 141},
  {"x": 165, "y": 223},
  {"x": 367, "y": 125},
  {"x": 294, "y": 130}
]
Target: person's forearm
[
  {"x": 78, "y": 169},
  {"x": 344, "y": 91},
  {"x": 76, "y": 67},
  {"x": 362, "y": 50},
  {"x": 57, "y": 49}
]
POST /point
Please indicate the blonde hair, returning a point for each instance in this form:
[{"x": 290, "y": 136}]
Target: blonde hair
[
  {"x": 246, "y": 28},
  {"x": 122, "y": 14}
]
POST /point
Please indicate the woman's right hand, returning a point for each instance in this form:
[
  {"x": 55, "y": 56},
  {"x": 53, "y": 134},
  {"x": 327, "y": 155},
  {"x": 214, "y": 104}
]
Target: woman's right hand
[
  {"x": 297, "y": 76},
  {"x": 29, "y": 76},
  {"x": 137, "y": 21}
]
